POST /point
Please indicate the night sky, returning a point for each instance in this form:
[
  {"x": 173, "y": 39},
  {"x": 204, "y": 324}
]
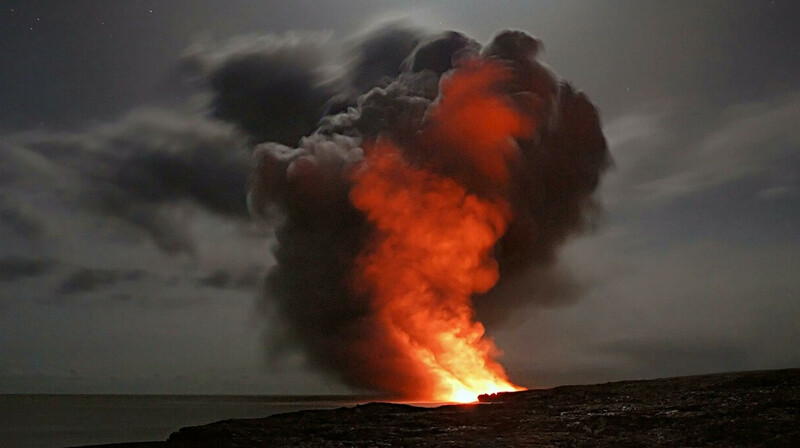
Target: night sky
[{"x": 129, "y": 263}]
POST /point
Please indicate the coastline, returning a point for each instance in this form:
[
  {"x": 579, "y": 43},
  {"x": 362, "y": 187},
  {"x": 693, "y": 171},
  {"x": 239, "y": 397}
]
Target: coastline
[{"x": 741, "y": 409}]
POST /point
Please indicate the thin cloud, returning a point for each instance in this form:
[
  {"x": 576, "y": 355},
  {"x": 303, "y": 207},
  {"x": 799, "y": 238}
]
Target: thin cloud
[
  {"x": 87, "y": 280},
  {"x": 149, "y": 169},
  {"x": 748, "y": 141},
  {"x": 14, "y": 268}
]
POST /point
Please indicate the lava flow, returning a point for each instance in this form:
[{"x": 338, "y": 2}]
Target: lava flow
[{"x": 433, "y": 239}]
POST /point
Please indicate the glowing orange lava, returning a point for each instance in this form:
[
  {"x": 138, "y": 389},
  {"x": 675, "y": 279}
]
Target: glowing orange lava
[
  {"x": 433, "y": 253},
  {"x": 432, "y": 247}
]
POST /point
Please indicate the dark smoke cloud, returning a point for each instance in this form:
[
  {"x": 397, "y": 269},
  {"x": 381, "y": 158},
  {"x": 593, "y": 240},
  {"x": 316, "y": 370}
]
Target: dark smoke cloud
[
  {"x": 375, "y": 59},
  {"x": 538, "y": 284},
  {"x": 551, "y": 188},
  {"x": 272, "y": 87},
  {"x": 396, "y": 107},
  {"x": 277, "y": 88},
  {"x": 563, "y": 169},
  {"x": 439, "y": 53},
  {"x": 378, "y": 56}
]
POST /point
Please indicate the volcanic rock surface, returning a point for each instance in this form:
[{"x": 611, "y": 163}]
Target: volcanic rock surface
[{"x": 722, "y": 410}]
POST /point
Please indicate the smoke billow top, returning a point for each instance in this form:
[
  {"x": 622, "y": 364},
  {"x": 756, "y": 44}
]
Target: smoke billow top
[{"x": 431, "y": 173}]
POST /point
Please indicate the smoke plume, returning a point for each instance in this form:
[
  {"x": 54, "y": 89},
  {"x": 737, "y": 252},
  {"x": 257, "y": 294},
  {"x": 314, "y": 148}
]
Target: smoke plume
[{"x": 442, "y": 170}]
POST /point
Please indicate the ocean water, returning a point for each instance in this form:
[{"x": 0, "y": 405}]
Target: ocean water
[{"x": 57, "y": 421}]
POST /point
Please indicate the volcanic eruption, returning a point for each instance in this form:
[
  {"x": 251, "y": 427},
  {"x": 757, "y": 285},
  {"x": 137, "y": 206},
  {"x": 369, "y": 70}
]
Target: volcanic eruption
[{"x": 420, "y": 190}]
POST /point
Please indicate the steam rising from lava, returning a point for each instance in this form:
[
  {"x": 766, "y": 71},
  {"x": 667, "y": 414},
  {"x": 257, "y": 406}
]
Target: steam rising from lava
[{"x": 462, "y": 164}]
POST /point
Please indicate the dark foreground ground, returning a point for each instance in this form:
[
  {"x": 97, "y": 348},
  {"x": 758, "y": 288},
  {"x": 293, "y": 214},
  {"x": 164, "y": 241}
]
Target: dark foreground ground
[{"x": 754, "y": 409}]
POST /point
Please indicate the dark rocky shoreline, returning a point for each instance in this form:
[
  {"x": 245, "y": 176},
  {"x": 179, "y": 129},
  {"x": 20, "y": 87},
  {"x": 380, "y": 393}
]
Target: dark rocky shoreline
[{"x": 752, "y": 409}]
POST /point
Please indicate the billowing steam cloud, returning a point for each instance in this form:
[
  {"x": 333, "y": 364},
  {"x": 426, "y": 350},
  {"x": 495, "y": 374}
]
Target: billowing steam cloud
[{"x": 439, "y": 168}]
